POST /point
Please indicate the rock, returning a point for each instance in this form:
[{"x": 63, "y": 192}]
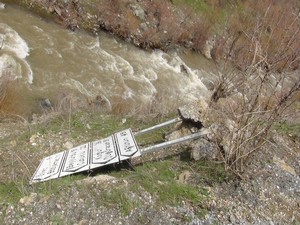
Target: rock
[
  {"x": 45, "y": 104},
  {"x": 28, "y": 200},
  {"x": 13, "y": 143},
  {"x": 284, "y": 166},
  {"x": 224, "y": 132},
  {"x": 144, "y": 26},
  {"x": 34, "y": 139},
  {"x": 184, "y": 69},
  {"x": 208, "y": 47},
  {"x": 193, "y": 112},
  {"x": 230, "y": 125},
  {"x": 58, "y": 206},
  {"x": 232, "y": 219},
  {"x": 2, "y": 5},
  {"x": 203, "y": 149},
  {"x": 184, "y": 176},
  {"x": 83, "y": 222},
  {"x": 98, "y": 179},
  {"x": 68, "y": 145},
  {"x": 138, "y": 11},
  {"x": 10, "y": 210},
  {"x": 192, "y": 116}
]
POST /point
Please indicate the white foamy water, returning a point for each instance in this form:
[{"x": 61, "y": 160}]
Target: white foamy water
[
  {"x": 9, "y": 67},
  {"x": 11, "y": 41},
  {"x": 14, "y": 51},
  {"x": 2, "y": 6}
]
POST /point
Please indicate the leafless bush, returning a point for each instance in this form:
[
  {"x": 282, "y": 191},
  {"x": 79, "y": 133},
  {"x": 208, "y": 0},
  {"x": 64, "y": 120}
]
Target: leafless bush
[
  {"x": 164, "y": 25},
  {"x": 268, "y": 26},
  {"x": 116, "y": 17},
  {"x": 248, "y": 101}
]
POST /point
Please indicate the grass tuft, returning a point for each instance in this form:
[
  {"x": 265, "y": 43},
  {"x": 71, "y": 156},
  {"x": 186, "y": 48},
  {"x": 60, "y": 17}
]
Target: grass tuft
[
  {"x": 160, "y": 179},
  {"x": 9, "y": 193}
]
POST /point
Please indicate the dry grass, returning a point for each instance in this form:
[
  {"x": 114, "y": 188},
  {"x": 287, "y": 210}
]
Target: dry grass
[
  {"x": 192, "y": 23},
  {"x": 268, "y": 27},
  {"x": 166, "y": 25}
]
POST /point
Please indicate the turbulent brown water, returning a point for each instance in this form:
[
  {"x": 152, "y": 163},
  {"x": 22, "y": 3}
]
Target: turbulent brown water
[{"x": 48, "y": 62}]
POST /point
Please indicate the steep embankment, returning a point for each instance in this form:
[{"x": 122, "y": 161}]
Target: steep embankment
[{"x": 165, "y": 187}]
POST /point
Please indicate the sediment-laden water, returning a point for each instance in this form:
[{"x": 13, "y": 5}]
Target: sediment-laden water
[{"x": 45, "y": 61}]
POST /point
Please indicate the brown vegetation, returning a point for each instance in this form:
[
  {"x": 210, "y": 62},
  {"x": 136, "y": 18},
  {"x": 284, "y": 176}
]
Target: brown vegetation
[
  {"x": 250, "y": 100},
  {"x": 150, "y": 24},
  {"x": 270, "y": 27}
]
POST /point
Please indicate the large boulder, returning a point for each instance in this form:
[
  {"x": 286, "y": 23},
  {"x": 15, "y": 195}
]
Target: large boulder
[
  {"x": 194, "y": 118},
  {"x": 138, "y": 11}
]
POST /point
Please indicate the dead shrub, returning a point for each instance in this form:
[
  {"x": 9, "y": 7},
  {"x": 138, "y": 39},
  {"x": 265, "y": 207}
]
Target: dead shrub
[
  {"x": 163, "y": 25},
  {"x": 246, "y": 116},
  {"x": 248, "y": 101},
  {"x": 114, "y": 17},
  {"x": 120, "y": 106},
  {"x": 149, "y": 39},
  {"x": 269, "y": 26},
  {"x": 167, "y": 20},
  {"x": 201, "y": 33}
]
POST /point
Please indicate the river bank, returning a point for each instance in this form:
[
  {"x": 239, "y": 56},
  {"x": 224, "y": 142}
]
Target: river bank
[
  {"x": 218, "y": 29},
  {"x": 167, "y": 187},
  {"x": 96, "y": 72},
  {"x": 146, "y": 24}
]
